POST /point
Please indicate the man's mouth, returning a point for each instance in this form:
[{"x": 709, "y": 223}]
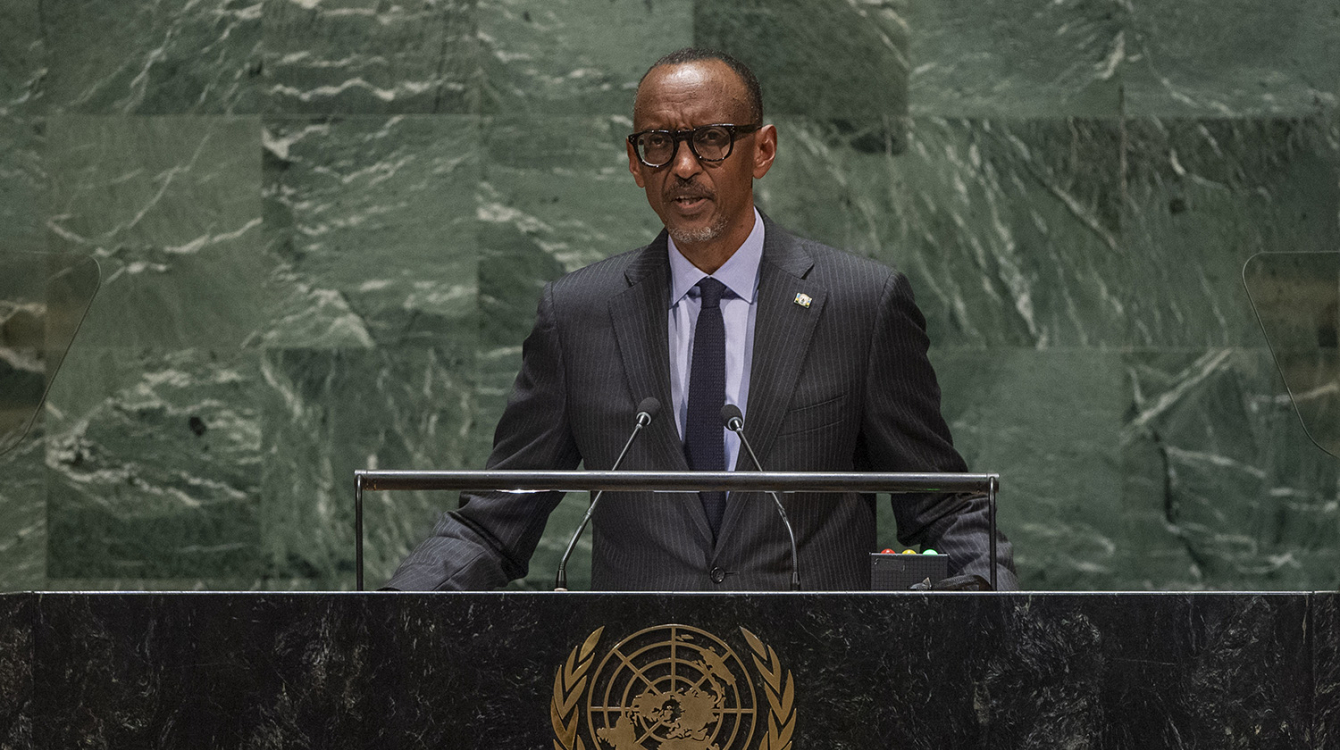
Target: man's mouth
[{"x": 690, "y": 201}]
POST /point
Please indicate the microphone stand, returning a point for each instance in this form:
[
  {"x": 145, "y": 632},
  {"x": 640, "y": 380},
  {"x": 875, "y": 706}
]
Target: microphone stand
[
  {"x": 730, "y": 414},
  {"x": 646, "y": 411}
]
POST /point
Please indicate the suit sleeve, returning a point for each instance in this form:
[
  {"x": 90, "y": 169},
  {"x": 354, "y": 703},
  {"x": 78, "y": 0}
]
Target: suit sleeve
[
  {"x": 903, "y": 430},
  {"x": 489, "y": 540}
]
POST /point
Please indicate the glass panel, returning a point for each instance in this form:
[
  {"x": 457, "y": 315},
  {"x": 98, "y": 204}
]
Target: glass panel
[
  {"x": 1296, "y": 296},
  {"x": 43, "y": 299}
]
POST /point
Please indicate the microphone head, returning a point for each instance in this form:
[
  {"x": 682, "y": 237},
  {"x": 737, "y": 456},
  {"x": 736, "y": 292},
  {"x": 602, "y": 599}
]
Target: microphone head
[
  {"x": 730, "y": 413},
  {"x": 649, "y": 406},
  {"x": 647, "y": 410}
]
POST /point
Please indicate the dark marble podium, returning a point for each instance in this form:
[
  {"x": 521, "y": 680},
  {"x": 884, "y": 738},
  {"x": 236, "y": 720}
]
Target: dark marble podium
[{"x": 524, "y": 670}]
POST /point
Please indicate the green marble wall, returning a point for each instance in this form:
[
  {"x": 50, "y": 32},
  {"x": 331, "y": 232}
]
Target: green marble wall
[{"x": 323, "y": 225}]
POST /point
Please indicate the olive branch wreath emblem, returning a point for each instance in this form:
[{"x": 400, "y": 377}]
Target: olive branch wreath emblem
[
  {"x": 568, "y": 686},
  {"x": 571, "y": 680},
  {"x": 781, "y": 691}
]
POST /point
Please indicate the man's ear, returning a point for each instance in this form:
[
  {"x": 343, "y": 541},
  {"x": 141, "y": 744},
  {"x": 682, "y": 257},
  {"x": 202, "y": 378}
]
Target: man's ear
[
  {"x": 634, "y": 165},
  {"x": 765, "y": 150}
]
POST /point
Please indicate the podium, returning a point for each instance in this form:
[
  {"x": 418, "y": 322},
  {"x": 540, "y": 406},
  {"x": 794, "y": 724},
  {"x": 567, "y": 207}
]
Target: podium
[{"x": 575, "y": 670}]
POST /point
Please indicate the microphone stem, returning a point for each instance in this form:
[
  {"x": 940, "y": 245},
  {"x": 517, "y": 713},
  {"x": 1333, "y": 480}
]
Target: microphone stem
[
  {"x": 738, "y": 429},
  {"x": 561, "y": 578}
]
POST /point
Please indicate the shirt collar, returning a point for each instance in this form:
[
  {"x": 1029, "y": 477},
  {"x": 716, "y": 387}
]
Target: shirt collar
[{"x": 739, "y": 273}]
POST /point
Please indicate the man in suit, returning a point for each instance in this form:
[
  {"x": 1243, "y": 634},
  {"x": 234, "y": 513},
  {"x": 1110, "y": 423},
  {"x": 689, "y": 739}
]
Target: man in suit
[{"x": 824, "y": 352}]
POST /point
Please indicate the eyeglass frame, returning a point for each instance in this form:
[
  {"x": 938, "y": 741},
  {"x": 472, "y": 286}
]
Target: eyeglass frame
[{"x": 735, "y": 131}]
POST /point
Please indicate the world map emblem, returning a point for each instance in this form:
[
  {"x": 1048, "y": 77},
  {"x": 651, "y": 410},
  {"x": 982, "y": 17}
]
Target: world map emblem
[{"x": 673, "y": 687}]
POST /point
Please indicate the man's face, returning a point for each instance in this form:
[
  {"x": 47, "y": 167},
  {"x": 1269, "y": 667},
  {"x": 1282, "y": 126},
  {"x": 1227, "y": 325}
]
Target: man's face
[{"x": 701, "y": 203}]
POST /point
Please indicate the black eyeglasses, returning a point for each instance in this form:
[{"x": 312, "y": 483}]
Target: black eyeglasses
[{"x": 657, "y": 148}]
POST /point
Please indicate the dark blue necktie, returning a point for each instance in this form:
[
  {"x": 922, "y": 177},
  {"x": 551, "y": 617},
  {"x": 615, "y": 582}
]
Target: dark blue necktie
[{"x": 704, "y": 437}]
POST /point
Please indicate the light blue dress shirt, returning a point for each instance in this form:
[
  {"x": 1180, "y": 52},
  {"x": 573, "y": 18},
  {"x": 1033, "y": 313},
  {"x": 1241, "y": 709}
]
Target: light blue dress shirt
[{"x": 738, "y": 309}]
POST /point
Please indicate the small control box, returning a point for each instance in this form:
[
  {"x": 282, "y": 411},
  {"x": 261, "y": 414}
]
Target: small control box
[{"x": 893, "y": 571}]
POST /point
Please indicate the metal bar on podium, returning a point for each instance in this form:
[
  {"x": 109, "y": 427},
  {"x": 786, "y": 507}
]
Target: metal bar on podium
[{"x": 671, "y": 481}]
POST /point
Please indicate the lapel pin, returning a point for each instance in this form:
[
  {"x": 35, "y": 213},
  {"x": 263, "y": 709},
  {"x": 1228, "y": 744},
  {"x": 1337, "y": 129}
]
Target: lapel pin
[{"x": 803, "y": 300}]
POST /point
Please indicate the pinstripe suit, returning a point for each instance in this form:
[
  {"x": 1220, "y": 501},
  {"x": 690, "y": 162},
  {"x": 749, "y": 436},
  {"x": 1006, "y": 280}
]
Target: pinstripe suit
[{"x": 841, "y": 385}]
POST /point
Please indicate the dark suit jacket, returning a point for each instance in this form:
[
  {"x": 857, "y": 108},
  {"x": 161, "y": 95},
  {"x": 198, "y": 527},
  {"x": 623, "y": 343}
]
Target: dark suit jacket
[{"x": 841, "y": 385}]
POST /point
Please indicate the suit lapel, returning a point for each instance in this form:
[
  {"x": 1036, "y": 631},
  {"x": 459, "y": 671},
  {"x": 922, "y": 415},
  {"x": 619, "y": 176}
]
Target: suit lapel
[
  {"x": 783, "y": 330},
  {"x": 640, "y": 316}
]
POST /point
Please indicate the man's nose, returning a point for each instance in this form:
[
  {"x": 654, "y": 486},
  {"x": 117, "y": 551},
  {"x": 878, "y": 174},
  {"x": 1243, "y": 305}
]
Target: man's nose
[{"x": 685, "y": 163}]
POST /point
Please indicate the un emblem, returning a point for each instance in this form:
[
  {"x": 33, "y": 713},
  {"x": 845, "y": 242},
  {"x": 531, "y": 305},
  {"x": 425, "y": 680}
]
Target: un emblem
[{"x": 673, "y": 687}]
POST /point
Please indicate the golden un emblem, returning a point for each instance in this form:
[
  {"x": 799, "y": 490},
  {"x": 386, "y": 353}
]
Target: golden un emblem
[{"x": 673, "y": 687}]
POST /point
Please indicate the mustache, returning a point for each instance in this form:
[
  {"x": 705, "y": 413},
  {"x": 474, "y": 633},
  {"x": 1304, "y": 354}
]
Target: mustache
[{"x": 689, "y": 190}]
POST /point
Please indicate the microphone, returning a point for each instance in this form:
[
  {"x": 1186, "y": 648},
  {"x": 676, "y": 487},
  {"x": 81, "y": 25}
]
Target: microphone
[
  {"x": 647, "y": 409},
  {"x": 734, "y": 421}
]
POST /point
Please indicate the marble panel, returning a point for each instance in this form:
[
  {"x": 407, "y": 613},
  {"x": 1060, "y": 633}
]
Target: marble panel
[
  {"x": 160, "y": 58},
  {"x": 17, "y": 614},
  {"x": 371, "y": 57},
  {"x": 23, "y": 499},
  {"x": 325, "y": 645},
  {"x": 1201, "y": 197},
  {"x": 328, "y": 413},
  {"x": 1222, "y": 487},
  {"x": 1113, "y": 671},
  {"x": 1005, "y": 58},
  {"x": 170, "y": 207},
  {"x": 23, "y": 184},
  {"x": 1324, "y": 626},
  {"x": 154, "y": 464},
  {"x": 556, "y": 57},
  {"x": 133, "y": 672},
  {"x": 23, "y": 59},
  {"x": 1231, "y": 58},
  {"x": 563, "y": 183},
  {"x": 830, "y": 59},
  {"x": 374, "y": 221},
  {"x": 1008, "y": 230},
  {"x": 1049, "y": 423}
]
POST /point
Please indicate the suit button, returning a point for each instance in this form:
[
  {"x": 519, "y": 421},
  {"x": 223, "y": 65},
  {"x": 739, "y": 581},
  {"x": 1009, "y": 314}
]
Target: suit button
[{"x": 718, "y": 575}]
